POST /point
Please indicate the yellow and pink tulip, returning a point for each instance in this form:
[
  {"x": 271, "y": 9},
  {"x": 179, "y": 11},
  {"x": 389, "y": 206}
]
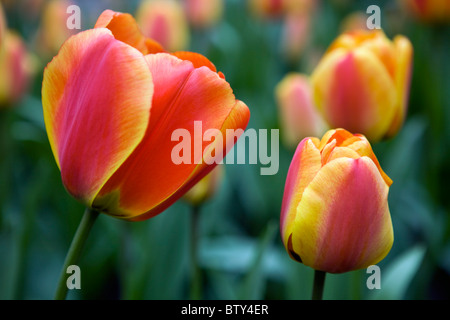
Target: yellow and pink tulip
[
  {"x": 362, "y": 83},
  {"x": 335, "y": 215},
  {"x": 111, "y": 100}
]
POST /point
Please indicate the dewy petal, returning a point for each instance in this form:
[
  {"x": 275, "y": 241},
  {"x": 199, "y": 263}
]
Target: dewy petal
[
  {"x": 149, "y": 179},
  {"x": 125, "y": 28},
  {"x": 343, "y": 221},
  {"x": 96, "y": 97},
  {"x": 303, "y": 168},
  {"x": 354, "y": 90}
]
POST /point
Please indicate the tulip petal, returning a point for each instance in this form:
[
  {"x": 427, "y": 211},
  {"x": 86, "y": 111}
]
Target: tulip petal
[
  {"x": 404, "y": 54},
  {"x": 357, "y": 90},
  {"x": 95, "y": 77},
  {"x": 197, "y": 59},
  {"x": 124, "y": 28},
  {"x": 343, "y": 221},
  {"x": 150, "y": 179},
  {"x": 237, "y": 119},
  {"x": 304, "y": 166},
  {"x": 360, "y": 144}
]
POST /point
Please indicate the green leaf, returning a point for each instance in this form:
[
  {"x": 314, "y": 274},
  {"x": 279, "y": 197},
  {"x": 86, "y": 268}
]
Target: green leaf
[{"x": 397, "y": 277}]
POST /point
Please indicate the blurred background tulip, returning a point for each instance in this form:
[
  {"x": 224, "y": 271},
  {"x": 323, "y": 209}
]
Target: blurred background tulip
[
  {"x": 335, "y": 215},
  {"x": 2, "y": 25},
  {"x": 362, "y": 83},
  {"x": 267, "y": 9},
  {"x": 353, "y": 22},
  {"x": 17, "y": 67},
  {"x": 53, "y": 30},
  {"x": 296, "y": 34},
  {"x": 164, "y": 21},
  {"x": 204, "y": 13},
  {"x": 205, "y": 188},
  {"x": 428, "y": 11},
  {"x": 298, "y": 115}
]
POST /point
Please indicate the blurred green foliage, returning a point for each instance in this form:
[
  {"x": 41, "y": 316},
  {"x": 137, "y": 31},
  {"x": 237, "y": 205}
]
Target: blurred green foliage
[{"x": 240, "y": 251}]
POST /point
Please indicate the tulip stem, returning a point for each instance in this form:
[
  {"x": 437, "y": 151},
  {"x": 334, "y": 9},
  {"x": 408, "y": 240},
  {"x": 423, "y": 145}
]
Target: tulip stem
[
  {"x": 196, "y": 280},
  {"x": 319, "y": 283},
  {"x": 75, "y": 249}
]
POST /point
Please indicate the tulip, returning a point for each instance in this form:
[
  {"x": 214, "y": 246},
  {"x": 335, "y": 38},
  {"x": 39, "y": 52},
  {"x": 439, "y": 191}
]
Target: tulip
[
  {"x": 165, "y": 22},
  {"x": 298, "y": 115},
  {"x": 295, "y": 34},
  {"x": 111, "y": 101},
  {"x": 335, "y": 216},
  {"x": 2, "y": 25},
  {"x": 267, "y": 9},
  {"x": 53, "y": 30},
  {"x": 204, "y": 13},
  {"x": 354, "y": 21},
  {"x": 362, "y": 83},
  {"x": 429, "y": 11},
  {"x": 205, "y": 188},
  {"x": 17, "y": 68}
]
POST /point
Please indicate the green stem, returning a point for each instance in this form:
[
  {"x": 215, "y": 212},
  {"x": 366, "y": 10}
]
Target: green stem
[
  {"x": 75, "y": 249},
  {"x": 196, "y": 277},
  {"x": 319, "y": 283}
]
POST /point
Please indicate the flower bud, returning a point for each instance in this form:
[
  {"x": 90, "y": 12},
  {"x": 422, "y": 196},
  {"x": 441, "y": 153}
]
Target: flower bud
[
  {"x": 362, "y": 83},
  {"x": 335, "y": 215}
]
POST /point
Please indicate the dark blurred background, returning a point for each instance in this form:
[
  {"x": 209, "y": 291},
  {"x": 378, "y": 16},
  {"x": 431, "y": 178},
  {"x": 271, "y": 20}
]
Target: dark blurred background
[{"x": 240, "y": 251}]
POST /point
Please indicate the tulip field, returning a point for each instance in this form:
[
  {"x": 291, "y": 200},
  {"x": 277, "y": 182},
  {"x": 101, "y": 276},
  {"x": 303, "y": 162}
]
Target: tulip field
[{"x": 224, "y": 150}]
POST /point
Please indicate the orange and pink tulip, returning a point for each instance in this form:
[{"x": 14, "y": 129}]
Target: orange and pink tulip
[
  {"x": 335, "y": 215},
  {"x": 111, "y": 100},
  {"x": 362, "y": 83}
]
